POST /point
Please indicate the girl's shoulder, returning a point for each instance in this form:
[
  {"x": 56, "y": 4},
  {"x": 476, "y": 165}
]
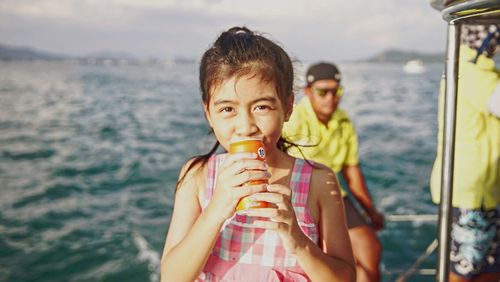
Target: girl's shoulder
[
  {"x": 320, "y": 177},
  {"x": 323, "y": 190},
  {"x": 324, "y": 182},
  {"x": 319, "y": 170},
  {"x": 192, "y": 178},
  {"x": 193, "y": 168}
]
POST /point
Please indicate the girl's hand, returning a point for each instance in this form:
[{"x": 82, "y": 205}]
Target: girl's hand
[
  {"x": 237, "y": 169},
  {"x": 282, "y": 217}
]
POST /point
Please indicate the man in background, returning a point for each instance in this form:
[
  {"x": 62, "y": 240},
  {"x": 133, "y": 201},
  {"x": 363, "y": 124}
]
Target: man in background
[
  {"x": 330, "y": 139},
  {"x": 475, "y": 245}
]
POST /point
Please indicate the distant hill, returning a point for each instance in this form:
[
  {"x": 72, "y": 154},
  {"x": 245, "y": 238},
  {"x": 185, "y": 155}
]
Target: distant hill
[
  {"x": 8, "y": 52},
  {"x": 399, "y": 56},
  {"x": 25, "y": 53},
  {"x": 112, "y": 55},
  {"x": 105, "y": 57}
]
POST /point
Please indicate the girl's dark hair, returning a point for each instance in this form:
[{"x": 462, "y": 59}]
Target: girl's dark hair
[{"x": 236, "y": 53}]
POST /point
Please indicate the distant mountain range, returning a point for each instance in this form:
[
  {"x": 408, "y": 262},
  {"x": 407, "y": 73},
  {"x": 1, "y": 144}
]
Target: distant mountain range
[
  {"x": 10, "y": 53},
  {"x": 400, "y": 56},
  {"x": 25, "y": 53}
]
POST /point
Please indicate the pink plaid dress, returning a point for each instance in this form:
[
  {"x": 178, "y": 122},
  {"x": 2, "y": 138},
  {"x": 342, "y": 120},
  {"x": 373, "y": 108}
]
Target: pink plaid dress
[{"x": 244, "y": 253}]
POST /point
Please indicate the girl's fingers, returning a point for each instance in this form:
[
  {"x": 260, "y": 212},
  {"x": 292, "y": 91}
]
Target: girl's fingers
[
  {"x": 235, "y": 158},
  {"x": 250, "y": 175},
  {"x": 278, "y": 194},
  {"x": 273, "y": 214},
  {"x": 262, "y": 212},
  {"x": 231, "y": 158},
  {"x": 281, "y": 200},
  {"x": 281, "y": 189},
  {"x": 241, "y": 171},
  {"x": 244, "y": 165},
  {"x": 248, "y": 190}
]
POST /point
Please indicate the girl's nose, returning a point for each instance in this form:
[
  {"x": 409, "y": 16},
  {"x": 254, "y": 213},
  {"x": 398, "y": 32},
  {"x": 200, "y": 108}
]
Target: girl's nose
[{"x": 245, "y": 125}]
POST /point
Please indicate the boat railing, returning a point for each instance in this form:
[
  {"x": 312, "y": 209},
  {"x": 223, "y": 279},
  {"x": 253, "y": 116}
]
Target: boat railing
[{"x": 405, "y": 274}]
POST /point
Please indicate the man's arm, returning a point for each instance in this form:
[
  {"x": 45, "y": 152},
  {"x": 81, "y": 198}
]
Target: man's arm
[{"x": 355, "y": 179}]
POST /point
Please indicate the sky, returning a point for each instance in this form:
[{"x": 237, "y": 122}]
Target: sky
[{"x": 307, "y": 29}]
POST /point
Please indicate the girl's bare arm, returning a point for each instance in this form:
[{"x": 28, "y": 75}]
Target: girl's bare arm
[{"x": 191, "y": 234}]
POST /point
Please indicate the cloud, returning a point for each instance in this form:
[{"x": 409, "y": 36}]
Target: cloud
[
  {"x": 70, "y": 11},
  {"x": 327, "y": 28}
]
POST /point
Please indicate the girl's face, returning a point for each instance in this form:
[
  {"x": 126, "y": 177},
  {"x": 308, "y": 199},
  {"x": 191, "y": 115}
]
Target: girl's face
[{"x": 247, "y": 107}]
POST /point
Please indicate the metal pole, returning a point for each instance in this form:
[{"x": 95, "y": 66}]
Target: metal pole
[{"x": 450, "y": 106}]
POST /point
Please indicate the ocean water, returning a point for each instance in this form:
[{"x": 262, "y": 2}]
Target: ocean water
[{"x": 89, "y": 158}]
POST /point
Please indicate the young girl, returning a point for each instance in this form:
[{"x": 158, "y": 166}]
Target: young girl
[{"x": 247, "y": 91}]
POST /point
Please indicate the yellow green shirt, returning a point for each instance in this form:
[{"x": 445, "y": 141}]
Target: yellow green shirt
[
  {"x": 335, "y": 145},
  {"x": 476, "y": 181}
]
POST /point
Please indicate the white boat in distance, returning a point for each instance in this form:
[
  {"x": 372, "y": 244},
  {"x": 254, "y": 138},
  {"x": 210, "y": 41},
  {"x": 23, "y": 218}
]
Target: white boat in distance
[{"x": 414, "y": 67}]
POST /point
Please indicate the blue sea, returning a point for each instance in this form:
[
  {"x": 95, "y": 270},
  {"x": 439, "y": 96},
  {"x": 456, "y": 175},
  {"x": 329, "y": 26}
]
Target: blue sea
[{"x": 90, "y": 154}]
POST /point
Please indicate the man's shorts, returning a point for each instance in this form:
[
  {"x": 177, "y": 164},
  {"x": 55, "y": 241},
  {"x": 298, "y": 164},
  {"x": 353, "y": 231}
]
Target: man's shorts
[
  {"x": 475, "y": 247},
  {"x": 353, "y": 217}
]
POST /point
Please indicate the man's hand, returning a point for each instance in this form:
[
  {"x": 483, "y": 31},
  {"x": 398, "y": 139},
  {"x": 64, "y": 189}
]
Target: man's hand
[{"x": 377, "y": 218}]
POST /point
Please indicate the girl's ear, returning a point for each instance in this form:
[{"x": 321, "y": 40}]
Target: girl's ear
[{"x": 289, "y": 107}]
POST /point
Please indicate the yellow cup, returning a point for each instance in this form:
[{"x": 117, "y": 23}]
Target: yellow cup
[{"x": 252, "y": 145}]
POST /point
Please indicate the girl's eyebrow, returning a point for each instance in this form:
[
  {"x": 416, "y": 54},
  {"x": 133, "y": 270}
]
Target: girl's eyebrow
[
  {"x": 265, "y": 98},
  {"x": 261, "y": 99},
  {"x": 219, "y": 102}
]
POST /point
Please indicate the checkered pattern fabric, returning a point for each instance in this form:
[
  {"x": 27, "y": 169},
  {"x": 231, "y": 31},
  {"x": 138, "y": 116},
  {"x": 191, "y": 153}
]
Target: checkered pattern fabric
[{"x": 240, "y": 244}]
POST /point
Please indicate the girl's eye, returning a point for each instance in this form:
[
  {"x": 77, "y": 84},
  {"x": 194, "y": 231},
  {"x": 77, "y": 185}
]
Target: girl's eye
[
  {"x": 226, "y": 110},
  {"x": 262, "y": 107}
]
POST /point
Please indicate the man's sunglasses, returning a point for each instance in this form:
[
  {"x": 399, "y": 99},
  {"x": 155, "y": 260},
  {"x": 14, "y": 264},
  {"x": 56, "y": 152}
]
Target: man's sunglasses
[{"x": 337, "y": 91}]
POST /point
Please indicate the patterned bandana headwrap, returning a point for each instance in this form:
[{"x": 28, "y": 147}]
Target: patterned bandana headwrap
[{"x": 483, "y": 38}]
